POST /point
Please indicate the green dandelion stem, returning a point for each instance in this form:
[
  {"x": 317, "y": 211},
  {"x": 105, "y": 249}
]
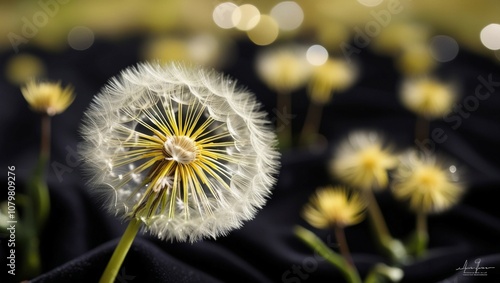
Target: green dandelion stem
[
  {"x": 120, "y": 252},
  {"x": 422, "y": 236},
  {"x": 310, "y": 239},
  {"x": 342, "y": 241},
  {"x": 394, "y": 248},
  {"x": 310, "y": 129},
  {"x": 376, "y": 217}
]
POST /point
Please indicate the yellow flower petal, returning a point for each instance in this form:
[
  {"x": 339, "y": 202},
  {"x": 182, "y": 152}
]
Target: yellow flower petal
[
  {"x": 48, "y": 98},
  {"x": 334, "y": 206}
]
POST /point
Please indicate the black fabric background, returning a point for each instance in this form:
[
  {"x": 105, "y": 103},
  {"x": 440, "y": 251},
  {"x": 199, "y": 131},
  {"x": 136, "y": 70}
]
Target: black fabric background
[{"x": 81, "y": 236}]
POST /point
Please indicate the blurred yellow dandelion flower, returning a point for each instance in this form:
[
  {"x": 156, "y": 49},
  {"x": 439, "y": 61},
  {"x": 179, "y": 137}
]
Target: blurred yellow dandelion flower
[
  {"x": 333, "y": 75},
  {"x": 427, "y": 184},
  {"x": 416, "y": 60},
  {"x": 180, "y": 149},
  {"x": 362, "y": 161},
  {"x": 283, "y": 69},
  {"x": 428, "y": 97},
  {"x": 48, "y": 98},
  {"x": 334, "y": 207}
]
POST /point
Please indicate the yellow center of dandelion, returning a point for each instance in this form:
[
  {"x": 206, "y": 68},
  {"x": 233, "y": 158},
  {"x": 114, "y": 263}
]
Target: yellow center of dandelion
[
  {"x": 181, "y": 154},
  {"x": 430, "y": 178},
  {"x": 369, "y": 158},
  {"x": 180, "y": 149}
]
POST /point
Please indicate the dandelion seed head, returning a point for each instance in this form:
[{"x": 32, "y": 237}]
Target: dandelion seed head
[{"x": 194, "y": 151}]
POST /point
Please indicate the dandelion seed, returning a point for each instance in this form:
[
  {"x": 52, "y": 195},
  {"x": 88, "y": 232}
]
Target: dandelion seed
[{"x": 196, "y": 153}]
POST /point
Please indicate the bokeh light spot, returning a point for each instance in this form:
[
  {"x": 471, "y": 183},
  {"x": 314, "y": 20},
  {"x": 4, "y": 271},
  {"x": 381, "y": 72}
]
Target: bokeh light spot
[
  {"x": 490, "y": 36},
  {"x": 317, "y": 55},
  {"x": 223, "y": 13},
  {"x": 443, "y": 48},
  {"x": 265, "y": 32},
  {"x": 288, "y": 14},
  {"x": 80, "y": 38},
  {"x": 246, "y": 17}
]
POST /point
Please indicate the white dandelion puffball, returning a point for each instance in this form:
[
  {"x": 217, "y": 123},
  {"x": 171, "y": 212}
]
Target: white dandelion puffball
[{"x": 181, "y": 149}]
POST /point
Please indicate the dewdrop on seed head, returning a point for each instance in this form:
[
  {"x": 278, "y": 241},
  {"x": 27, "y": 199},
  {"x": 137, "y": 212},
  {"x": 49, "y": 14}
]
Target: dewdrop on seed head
[{"x": 180, "y": 149}]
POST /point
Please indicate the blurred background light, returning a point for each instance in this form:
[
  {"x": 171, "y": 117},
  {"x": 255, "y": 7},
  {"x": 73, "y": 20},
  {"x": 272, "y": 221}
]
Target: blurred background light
[
  {"x": 246, "y": 17},
  {"x": 80, "y": 38},
  {"x": 265, "y": 32},
  {"x": 288, "y": 14},
  {"x": 490, "y": 36},
  {"x": 223, "y": 13},
  {"x": 317, "y": 55},
  {"x": 443, "y": 48},
  {"x": 23, "y": 67}
]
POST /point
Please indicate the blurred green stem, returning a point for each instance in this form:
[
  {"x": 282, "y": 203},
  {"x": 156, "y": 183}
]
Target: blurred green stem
[
  {"x": 120, "y": 252},
  {"x": 343, "y": 247},
  {"x": 37, "y": 206},
  {"x": 422, "y": 236},
  {"x": 310, "y": 129},
  {"x": 41, "y": 191},
  {"x": 315, "y": 243},
  {"x": 394, "y": 248}
]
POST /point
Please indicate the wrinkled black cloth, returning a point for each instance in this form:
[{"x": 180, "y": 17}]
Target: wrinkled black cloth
[{"x": 80, "y": 235}]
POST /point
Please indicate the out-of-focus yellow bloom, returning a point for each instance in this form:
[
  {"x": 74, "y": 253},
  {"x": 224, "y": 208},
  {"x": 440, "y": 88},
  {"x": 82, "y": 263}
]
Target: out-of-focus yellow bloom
[
  {"x": 23, "y": 67},
  {"x": 333, "y": 75},
  {"x": 416, "y": 60},
  {"x": 428, "y": 185},
  {"x": 399, "y": 35},
  {"x": 362, "y": 161},
  {"x": 428, "y": 97},
  {"x": 48, "y": 98},
  {"x": 334, "y": 207},
  {"x": 284, "y": 69}
]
